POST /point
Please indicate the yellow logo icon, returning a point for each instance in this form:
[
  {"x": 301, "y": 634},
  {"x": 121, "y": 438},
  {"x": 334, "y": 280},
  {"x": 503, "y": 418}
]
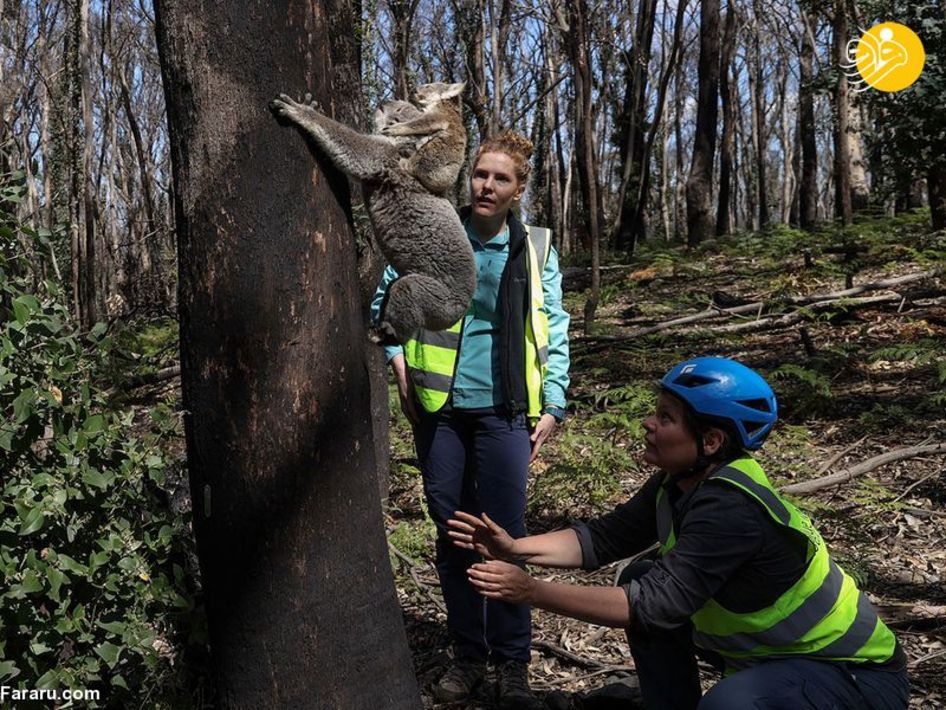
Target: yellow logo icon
[{"x": 887, "y": 57}]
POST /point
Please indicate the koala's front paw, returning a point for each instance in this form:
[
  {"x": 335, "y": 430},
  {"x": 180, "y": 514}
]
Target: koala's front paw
[
  {"x": 383, "y": 334},
  {"x": 284, "y": 106}
]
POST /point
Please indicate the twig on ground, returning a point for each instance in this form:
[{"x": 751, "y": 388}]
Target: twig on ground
[
  {"x": 829, "y": 464},
  {"x": 412, "y": 570}
]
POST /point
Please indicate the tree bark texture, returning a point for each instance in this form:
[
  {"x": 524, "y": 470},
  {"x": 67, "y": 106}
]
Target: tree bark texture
[
  {"x": 723, "y": 216},
  {"x": 300, "y": 596},
  {"x": 936, "y": 184},
  {"x": 700, "y": 217},
  {"x": 842, "y": 139},
  {"x": 808, "y": 195}
]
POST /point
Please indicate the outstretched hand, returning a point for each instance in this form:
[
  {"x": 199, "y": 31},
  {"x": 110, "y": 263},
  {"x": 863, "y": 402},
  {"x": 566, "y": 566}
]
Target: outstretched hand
[
  {"x": 482, "y": 535},
  {"x": 501, "y": 580}
]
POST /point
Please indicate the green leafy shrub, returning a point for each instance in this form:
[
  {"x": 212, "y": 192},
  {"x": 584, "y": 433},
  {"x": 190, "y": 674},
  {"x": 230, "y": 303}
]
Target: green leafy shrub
[{"x": 93, "y": 559}]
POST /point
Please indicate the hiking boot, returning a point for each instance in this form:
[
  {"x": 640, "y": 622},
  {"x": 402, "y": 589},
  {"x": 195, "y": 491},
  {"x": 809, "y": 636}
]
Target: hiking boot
[
  {"x": 514, "y": 692},
  {"x": 460, "y": 680}
]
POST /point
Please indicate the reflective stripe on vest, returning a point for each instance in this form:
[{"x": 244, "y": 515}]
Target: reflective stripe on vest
[
  {"x": 822, "y": 615},
  {"x": 432, "y": 356}
]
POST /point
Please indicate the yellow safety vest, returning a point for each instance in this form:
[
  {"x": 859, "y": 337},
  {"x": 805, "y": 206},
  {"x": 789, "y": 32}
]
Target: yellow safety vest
[
  {"x": 432, "y": 356},
  {"x": 823, "y": 615}
]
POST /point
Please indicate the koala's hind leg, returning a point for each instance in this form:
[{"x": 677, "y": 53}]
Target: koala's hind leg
[
  {"x": 419, "y": 301},
  {"x": 362, "y": 156}
]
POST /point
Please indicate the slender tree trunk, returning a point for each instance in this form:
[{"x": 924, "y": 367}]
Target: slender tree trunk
[
  {"x": 301, "y": 605},
  {"x": 700, "y": 222},
  {"x": 643, "y": 158},
  {"x": 629, "y": 226},
  {"x": 760, "y": 136},
  {"x": 808, "y": 196},
  {"x": 579, "y": 44},
  {"x": 842, "y": 139},
  {"x": 402, "y": 17},
  {"x": 860, "y": 188},
  {"x": 785, "y": 138},
  {"x": 936, "y": 184},
  {"x": 723, "y": 218}
]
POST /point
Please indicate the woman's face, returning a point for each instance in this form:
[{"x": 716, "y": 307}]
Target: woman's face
[
  {"x": 669, "y": 444},
  {"x": 494, "y": 186}
]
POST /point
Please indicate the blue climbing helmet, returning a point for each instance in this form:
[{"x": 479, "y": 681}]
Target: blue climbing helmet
[{"x": 725, "y": 390}]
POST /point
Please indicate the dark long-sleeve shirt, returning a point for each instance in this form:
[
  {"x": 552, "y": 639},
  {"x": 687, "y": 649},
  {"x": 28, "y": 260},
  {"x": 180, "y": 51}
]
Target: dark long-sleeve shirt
[{"x": 727, "y": 548}]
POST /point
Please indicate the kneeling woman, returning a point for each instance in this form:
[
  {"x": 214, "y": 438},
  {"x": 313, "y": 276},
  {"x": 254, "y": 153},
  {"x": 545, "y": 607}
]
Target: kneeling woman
[{"x": 743, "y": 578}]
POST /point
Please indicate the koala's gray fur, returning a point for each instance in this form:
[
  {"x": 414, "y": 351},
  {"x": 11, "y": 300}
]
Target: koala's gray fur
[
  {"x": 419, "y": 233},
  {"x": 438, "y": 123}
]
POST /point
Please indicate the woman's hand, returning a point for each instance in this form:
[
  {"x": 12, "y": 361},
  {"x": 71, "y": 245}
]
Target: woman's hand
[
  {"x": 482, "y": 535},
  {"x": 405, "y": 390},
  {"x": 543, "y": 428},
  {"x": 501, "y": 580}
]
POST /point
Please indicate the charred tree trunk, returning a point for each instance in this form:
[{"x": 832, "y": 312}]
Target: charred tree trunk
[
  {"x": 300, "y": 595},
  {"x": 402, "y": 16},
  {"x": 842, "y": 139},
  {"x": 579, "y": 44},
  {"x": 723, "y": 217},
  {"x": 630, "y": 219},
  {"x": 808, "y": 193},
  {"x": 700, "y": 223},
  {"x": 936, "y": 184}
]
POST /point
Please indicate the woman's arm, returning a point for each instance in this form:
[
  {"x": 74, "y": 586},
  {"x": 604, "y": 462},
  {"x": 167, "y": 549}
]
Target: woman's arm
[
  {"x": 555, "y": 549},
  {"x": 556, "y": 378},
  {"x": 377, "y": 301},
  {"x": 607, "y": 606}
]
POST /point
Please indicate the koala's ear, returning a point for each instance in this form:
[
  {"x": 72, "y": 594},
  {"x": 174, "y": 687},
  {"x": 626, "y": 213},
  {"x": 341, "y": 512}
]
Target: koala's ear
[{"x": 452, "y": 90}]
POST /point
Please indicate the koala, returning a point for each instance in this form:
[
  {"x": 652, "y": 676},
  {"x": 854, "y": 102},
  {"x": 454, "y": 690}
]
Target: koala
[
  {"x": 418, "y": 232},
  {"x": 441, "y": 134},
  {"x": 392, "y": 112}
]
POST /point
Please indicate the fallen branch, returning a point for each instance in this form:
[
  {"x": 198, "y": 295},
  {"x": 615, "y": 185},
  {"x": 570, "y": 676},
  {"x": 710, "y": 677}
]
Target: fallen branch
[
  {"x": 151, "y": 378},
  {"x": 906, "y": 615},
  {"x": 575, "y": 658},
  {"x": 817, "y": 300},
  {"x": 834, "y": 479},
  {"x": 418, "y": 582}
]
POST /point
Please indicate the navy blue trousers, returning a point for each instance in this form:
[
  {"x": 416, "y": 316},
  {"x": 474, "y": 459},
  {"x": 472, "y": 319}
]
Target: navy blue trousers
[
  {"x": 669, "y": 679},
  {"x": 476, "y": 461}
]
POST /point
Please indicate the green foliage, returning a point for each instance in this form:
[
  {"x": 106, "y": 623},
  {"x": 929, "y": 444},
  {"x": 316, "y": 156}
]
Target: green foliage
[
  {"x": 92, "y": 558},
  {"x": 920, "y": 353},
  {"x": 622, "y": 409},
  {"x": 808, "y": 388},
  {"x": 414, "y": 538}
]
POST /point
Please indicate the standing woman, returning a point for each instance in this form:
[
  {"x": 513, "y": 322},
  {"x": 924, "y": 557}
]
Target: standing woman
[{"x": 483, "y": 395}]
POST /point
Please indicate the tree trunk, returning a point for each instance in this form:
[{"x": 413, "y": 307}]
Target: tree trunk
[
  {"x": 723, "y": 217},
  {"x": 629, "y": 225},
  {"x": 842, "y": 139},
  {"x": 808, "y": 196},
  {"x": 700, "y": 223},
  {"x": 300, "y": 597},
  {"x": 760, "y": 137},
  {"x": 860, "y": 188},
  {"x": 936, "y": 184}
]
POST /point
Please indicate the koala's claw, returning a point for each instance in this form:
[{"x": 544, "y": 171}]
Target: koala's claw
[{"x": 383, "y": 334}]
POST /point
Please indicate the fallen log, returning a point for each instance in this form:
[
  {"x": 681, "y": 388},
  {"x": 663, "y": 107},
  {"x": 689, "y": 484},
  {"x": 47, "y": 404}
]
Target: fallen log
[
  {"x": 834, "y": 479},
  {"x": 817, "y": 300}
]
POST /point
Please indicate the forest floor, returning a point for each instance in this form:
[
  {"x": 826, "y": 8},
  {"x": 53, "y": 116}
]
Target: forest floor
[{"x": 858, "y": 377}]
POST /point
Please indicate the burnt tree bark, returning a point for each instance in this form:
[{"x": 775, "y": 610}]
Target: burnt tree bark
[
  {"x": 699, "y": 191},
  {"x": 300, "y": 595},
  {"x": 843, "y": 207},
  {"x": 723, "y": 213},
  {"x": 808, "y": 193}
]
